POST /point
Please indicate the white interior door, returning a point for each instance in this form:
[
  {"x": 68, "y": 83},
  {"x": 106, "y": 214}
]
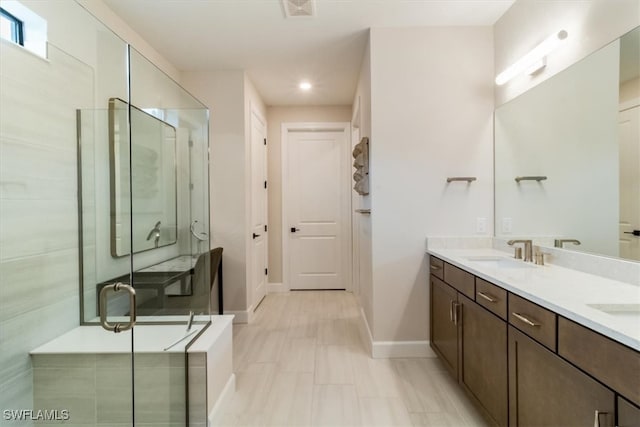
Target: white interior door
[
  {"x": 317, "y": 207},
  {"x": 629, "y": 125},
  {"x": 258, "y": 274}
]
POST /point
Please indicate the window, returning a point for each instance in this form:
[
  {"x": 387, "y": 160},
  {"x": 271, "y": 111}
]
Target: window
[
  {"x": 11, "y": 28},
  {"x": 22, "y": 26}
]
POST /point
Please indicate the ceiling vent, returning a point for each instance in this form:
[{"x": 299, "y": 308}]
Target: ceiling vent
[{"x": 299, "y": 8}]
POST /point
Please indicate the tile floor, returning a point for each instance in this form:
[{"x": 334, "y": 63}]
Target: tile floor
[{"x": 302, "y": 363}]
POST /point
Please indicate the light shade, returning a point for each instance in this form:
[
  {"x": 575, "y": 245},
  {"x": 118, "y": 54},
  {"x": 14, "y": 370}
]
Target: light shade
[
  {"x": 305, "y": 86},
  {"x": 536, "y": 55}
]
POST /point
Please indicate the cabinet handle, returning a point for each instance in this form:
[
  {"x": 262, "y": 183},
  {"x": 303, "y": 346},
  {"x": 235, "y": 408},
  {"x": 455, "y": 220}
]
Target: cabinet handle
[
  {"x": 596, "y": 421},
  {"x": 435, "y": 267},
  {"x": 525, "y": 319},
  {"x": 455, "y": 312},
  {"x": 451, "y": 310},
  {"x": 489, "y": 298}
]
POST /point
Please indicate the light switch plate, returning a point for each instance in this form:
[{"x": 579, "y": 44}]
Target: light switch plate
[
  {"x": 507, "y": 225},
  {"x": 481, "y": 225}
]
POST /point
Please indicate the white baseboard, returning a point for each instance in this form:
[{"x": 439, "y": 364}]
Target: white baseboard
[
  {"x": 273, "y": 288},
  {"x": 391, "y": 349},
  {"x": 217, "y": 413}
]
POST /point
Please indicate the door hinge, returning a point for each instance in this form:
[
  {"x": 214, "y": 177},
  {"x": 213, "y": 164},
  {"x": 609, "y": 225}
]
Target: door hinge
[
  {"x": 265, "y": 184},
  {"x": 265, "y": 141},
  {"x": 265, "y": 228},
  {"x": 266, "y": 271}
]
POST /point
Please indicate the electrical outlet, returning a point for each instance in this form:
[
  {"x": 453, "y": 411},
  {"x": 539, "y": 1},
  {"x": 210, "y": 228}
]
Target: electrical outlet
[
  {"x": 507, "y": 225},
  {"x": 481, "y": 225}
]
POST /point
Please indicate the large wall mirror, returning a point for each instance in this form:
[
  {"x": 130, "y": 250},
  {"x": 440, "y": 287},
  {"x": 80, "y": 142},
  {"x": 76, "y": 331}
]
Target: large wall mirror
[
  {"x": 577, "y": 136},
  {"x": 143, "y": 181}
]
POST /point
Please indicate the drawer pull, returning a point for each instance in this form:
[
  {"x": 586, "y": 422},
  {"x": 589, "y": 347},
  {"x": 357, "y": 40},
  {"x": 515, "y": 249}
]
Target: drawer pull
[
  {"x": 436, "y": 267},
  {"x": 525, "y": 319},
  {"x": 487, "y": 297}
]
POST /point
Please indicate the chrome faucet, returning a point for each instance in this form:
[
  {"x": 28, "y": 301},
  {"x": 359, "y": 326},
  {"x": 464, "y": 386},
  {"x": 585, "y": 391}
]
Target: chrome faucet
[
  {"x": 155, "y": 233},
  {"x": 528, "y": 248},
  {"x": 559, "y": 243}
]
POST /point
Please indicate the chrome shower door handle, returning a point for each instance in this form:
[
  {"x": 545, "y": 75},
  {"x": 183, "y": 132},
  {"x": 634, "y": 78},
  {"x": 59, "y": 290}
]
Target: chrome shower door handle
[{"x": 118, "y": 327}]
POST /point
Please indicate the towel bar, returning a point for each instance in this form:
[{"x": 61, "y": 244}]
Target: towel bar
[
  {"x": 461, "y": 178},
  {"x": 530, "y": 178}
]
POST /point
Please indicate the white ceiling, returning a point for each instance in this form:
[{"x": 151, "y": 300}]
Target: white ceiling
[{"x": 278, "y": 52}]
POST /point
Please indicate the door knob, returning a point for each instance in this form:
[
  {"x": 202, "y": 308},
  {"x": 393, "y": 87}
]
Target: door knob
[
  {"x": 293, "y": 229},
  {"x": 255, "y": 235},
  {"x": 634, "y": 232}
]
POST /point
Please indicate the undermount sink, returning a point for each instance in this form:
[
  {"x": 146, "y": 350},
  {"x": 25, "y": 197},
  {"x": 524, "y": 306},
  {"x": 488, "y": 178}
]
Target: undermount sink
[
  {"x": 629, "y": 311},
  {"x": 499, "y": 262}
]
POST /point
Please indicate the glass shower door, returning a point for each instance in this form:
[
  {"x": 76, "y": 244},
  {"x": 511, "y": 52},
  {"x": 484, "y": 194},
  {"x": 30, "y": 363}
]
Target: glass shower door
[{"x": 55, "y": 368}]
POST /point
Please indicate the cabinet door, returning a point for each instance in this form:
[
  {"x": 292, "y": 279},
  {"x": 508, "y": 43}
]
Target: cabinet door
[
  {"x": 545, "y": 390},
  {"x": 628, "y": 414},
  {"x": 444, "y": 332},
  {"x": 484, "y": 359}
]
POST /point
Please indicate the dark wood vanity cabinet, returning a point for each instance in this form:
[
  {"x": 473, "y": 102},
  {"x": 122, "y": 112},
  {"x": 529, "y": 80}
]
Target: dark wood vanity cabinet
[
  {"x": 545, "y": 390},
  {"x": 471, "y": 341},
  {"x": 524, "y": 365},
  {"x": 444, "y": 331},
  {"x": 483, "y": 368}
]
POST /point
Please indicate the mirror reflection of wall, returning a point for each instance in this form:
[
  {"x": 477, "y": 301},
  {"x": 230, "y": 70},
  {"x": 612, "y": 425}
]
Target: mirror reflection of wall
[
  {"x": 629, "y": 139},
  {"x": 567, "y": 129},
  {"x": 148, "y": 192}
]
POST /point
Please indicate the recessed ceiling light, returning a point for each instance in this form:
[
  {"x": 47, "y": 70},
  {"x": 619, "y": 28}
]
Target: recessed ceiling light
[{"x": 305, "y": 85}]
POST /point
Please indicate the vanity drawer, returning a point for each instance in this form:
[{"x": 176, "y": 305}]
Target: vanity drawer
[
  {"x": 612, "y": 363},
  {"x": 533, "y": 320},
  {"x": 461, "y": 280},
  {"x": 437, "y": 267},
  {"x": 491, "y": 297}
]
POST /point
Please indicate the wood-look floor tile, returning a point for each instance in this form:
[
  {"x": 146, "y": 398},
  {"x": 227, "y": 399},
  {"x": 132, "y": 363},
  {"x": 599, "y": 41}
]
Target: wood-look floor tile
[
  {"x": 298, "y": 355},
  {"x": 335, "y": 405},
  {"x": 301, "y": 362},
  {"x": 384, "y": 411},
  {"x": 375, "y": 377},
  {"x": 333, "y": 365},
  {"x": 290, "y": 400}
]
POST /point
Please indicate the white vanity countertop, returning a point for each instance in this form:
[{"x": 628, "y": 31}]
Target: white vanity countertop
[
  {"x": 567, "y": 292},
  {"x": 177, "y": 264}
]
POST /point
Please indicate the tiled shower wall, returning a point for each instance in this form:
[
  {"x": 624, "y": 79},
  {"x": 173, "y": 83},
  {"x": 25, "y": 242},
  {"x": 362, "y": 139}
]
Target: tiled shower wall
[{"x": 39, "y": 296}]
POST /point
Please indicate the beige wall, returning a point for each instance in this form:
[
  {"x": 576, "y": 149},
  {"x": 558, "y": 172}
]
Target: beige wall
[
  {"x": 630, "y": 90},
  {"x": 223, "y": 93},
  {"x": 590, "y": 24},
  {"x": 431, "y": 117},
  {"x": 362, "y": 223},
  {"x": 275, "y": 117}
]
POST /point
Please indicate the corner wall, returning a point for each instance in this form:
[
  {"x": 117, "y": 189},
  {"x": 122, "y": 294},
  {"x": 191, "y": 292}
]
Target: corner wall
[
  {"x": 223, "y": 93},
  {"x": 362, "y": 223},
  {"x": 431, "y": 117}
]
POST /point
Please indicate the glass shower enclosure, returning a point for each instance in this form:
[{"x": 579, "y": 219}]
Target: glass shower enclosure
[{"x": 104, "y": 231}]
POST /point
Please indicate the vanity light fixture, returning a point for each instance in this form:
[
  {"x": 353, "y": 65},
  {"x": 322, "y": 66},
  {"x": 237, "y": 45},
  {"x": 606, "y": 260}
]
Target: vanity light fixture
[
  {"x": 535, "y": 60},
  {"x": 306, "y": 86}
]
